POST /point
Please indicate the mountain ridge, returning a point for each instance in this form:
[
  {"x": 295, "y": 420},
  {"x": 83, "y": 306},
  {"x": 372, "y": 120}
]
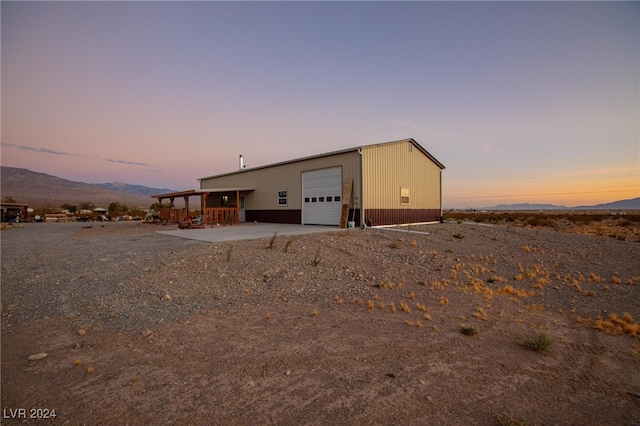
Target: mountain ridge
[
  {"x": 628, "y": 204},
  {"x": 40, "y": 190}
]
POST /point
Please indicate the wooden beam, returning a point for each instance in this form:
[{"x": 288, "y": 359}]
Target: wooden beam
[
  {"x": 203, "y": 204},
  {"x": 347, "y": 189},
  {"x": 237, "y": 218}
]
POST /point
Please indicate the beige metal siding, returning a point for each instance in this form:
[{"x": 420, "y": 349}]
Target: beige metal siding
[
  {"x": 390, "y": 167},
  {"x": 269, "y": 180}
]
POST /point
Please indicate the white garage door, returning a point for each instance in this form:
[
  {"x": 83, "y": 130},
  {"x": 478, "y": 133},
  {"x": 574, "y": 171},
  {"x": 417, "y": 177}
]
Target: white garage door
[{"x": 322, "y": 196}]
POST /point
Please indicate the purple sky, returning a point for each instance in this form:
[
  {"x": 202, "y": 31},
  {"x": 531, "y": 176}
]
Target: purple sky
[{"x": 521, "y": 101}]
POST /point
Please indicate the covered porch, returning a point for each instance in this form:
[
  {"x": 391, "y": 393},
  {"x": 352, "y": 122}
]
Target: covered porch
[{"x": 217, "y": 206}]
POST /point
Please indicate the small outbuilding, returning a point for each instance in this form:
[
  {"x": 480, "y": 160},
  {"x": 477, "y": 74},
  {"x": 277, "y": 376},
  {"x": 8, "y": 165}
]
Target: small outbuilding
[
  {"x": 15, "y": 212},
  {"x": 381, "y": 184}
]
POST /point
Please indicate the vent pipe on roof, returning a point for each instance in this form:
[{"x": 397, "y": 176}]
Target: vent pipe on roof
[{"x": 241, "y": 162}]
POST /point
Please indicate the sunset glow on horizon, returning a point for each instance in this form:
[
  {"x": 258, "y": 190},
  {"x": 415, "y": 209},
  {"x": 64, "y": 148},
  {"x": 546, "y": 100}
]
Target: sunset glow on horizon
[{"x": 523, "y": 102}]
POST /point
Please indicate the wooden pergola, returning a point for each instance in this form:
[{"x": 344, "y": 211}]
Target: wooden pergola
[{"x": 210, "y": 215}]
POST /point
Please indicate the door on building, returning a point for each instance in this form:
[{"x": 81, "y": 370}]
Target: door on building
[
  {"x": 242, "y": 215},
  {"x": 321, "y": 196}
]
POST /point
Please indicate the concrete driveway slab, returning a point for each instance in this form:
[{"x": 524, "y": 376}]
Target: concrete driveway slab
[{"x": 248, "y": 231}]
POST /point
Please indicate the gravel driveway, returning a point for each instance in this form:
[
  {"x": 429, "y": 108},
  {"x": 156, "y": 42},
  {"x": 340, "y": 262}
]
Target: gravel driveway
[{"x": 53, "y": 270}]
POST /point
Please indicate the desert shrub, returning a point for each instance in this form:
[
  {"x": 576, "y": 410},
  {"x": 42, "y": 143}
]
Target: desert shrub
[
  {"x": 624, "y": 222},
  {"x": 633, "y": 217},
  {"x": 494, "y": 218},
  {"x": 468, "y": 330},
  {"x": 541, "y": 342},
  {"x": 532, "y": 221}
]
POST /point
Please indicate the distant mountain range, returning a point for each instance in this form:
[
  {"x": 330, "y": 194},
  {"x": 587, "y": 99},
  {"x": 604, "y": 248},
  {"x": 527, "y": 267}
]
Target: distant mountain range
[
  {"x": 631, "y": 204},
  {"x": 40, "y": 189}
]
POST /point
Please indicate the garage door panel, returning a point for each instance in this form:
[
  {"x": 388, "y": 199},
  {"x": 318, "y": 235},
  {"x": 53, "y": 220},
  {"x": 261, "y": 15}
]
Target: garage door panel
[{"x": 322, "y": 191}]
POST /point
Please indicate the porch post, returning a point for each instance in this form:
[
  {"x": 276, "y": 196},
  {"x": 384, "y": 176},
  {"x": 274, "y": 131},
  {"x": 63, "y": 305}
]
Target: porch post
[
  {"x": 203, "y": 201},
  {"x": 186, "y": 207},
  {"x": 172, "y": 213},
  {"x": 237, "y": 206},
  {"x": 160, "y": 208}
]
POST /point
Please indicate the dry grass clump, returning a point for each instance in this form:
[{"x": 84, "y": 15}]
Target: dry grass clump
[
  {"x": 506, "y": 419},
  {"x": 616, "y": 326},
  {"x": 480, "y": 314},
  {"x": 271, "y": 242},
  {"x": 288, "y": 243},
  {"x": 316, "y": 258},
  {"x": 535, "y": 307},
  {"x": 510, "y": 291},
  {"x": 421, "y": 307},
  {"x": 479, "y": 269},
  {"x": 594, "y": 278}
]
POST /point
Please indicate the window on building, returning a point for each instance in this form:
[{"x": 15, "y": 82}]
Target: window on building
[
  {"x": 224, "y": 201},
  {"x": 282, "y": 198},
  {"x": 404, "y": 195}
]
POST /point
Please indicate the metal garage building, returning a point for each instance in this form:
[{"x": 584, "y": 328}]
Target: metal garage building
[{"x": 382, "y": 184}]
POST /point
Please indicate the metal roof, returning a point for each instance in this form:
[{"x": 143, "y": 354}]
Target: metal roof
[
  {"x": 327, "y": 154},
  {"x": 194, "y": 192}
]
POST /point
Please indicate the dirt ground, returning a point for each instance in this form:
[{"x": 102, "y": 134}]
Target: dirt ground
[{"x": 359, "y": 327}]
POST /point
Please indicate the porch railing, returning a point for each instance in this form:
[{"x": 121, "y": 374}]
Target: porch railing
[
  {"x": 220, "y": 215},
  {"x": 211, "y": 215},
  {"x": 171, "y": 215}
]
